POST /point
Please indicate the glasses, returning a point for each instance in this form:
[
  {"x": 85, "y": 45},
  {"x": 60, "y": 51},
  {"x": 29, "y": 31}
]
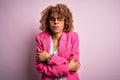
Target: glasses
[{"x": 59, "y": 19}]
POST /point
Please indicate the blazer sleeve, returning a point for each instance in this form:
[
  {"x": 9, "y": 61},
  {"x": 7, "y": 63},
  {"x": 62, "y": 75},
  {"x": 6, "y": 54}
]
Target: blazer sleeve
[
  {"x": 74, "y": 52},
  {"x": 75, "y": 46},
  {"x": 57, "y": 66},
  {"x": 74, "y": 49}
]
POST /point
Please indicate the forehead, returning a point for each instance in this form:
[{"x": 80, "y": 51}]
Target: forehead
[{"x": 56, "y": 14}]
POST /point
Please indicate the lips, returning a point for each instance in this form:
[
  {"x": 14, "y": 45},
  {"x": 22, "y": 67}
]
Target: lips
[{"x": 55, "y": 27}]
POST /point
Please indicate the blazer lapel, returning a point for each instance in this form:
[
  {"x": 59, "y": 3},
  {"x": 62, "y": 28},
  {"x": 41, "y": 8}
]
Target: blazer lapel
[
  {"x": 62, "y": 43},
  {"x": 47, "y": 42}
]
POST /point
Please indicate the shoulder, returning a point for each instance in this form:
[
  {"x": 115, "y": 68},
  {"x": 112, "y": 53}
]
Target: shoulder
[
  {"x": 42, "y": 35},
  {"x": 72, "y": 34}
]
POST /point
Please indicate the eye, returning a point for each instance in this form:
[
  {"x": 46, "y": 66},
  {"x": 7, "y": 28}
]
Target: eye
[
  {"x": 51, "y": 19},
  {"x": 60, "y": 19}
]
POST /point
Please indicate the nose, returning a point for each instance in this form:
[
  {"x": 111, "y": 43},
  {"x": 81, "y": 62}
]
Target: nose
[{"x": 56, "y": 21}]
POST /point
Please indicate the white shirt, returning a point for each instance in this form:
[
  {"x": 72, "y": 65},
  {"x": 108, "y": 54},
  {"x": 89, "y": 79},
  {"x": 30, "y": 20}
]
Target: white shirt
[{"x": 52, "y": 51}]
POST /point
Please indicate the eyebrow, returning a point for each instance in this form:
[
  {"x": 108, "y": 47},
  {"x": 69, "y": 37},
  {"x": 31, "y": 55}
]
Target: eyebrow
[{"x": 57, "y": 17}]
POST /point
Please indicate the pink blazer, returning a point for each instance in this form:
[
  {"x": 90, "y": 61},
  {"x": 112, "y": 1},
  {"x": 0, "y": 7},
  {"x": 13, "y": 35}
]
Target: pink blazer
[{"x": 58, "y": 65}]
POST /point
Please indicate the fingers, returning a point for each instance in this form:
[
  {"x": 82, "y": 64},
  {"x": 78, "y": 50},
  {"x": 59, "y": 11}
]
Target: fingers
[
  {"x": 78, "y": 63},
  {"x": 75, "y": 65},
  {"x": 37, "y": 56},
  {"x": 42, "y": 56},
  {"x": 73, "y": 58}
]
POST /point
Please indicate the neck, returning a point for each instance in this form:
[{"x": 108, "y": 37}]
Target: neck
[{"x": 56, "y": 35}]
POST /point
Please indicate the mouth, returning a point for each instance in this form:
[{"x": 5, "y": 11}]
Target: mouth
[{"x": 55, "y": 27}]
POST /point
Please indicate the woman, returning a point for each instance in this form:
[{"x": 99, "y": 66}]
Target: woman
[{"x": 57, "y": 54}]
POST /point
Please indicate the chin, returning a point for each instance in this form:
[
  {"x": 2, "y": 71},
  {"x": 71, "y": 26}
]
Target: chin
[{"x": 55, "y": 32}]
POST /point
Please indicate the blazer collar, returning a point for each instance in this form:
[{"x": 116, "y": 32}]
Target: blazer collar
[
  {"x": 63, "y": 36},
  {"x": 62, "y": 42}
]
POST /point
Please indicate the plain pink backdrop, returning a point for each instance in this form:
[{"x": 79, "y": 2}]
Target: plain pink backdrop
[{"x": 96, "y": 21}]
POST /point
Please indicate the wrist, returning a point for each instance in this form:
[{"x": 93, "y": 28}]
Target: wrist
[{"x": 48, "y": 58}]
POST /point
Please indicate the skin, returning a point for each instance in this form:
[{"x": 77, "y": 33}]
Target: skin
[{"x": 56, "y": 24}]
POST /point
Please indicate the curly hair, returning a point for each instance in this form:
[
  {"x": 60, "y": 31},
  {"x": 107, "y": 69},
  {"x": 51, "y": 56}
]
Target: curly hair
[{"x": 62, "y": 10}]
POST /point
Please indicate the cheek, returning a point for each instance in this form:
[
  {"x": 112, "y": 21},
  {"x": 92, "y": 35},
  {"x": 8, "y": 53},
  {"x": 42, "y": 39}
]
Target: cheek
[
  {"x": 50, "y": 25},
  {"x": 62, "y": 26}
]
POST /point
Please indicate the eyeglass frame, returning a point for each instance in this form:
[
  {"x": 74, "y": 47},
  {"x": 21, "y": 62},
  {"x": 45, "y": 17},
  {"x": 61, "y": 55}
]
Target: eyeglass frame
[{"x": 59, "y": 19}]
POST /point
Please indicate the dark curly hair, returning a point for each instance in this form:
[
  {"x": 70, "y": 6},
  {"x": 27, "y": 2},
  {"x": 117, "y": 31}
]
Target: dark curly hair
[{"x": 62, "y": 10}]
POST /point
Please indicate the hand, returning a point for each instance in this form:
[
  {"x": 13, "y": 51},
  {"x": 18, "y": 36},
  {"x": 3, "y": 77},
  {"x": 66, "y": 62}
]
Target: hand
[
  {"x": 73, "y": 66},
  {"x": 42, "y": 56}
]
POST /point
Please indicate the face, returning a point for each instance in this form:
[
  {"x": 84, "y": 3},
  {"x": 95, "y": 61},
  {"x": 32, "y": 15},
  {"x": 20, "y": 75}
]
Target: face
[{"x": 56, "y": 23}]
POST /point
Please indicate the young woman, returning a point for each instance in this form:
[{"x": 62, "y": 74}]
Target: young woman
[{"x": 57, "y": 54}]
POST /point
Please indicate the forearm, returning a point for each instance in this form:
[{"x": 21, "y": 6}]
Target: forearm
[{"x": 52, "y": 70}]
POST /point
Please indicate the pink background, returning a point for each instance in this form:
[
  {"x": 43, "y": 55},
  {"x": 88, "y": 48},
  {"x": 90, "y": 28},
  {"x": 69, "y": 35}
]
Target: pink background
[{"x": 96, "y": 21}]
